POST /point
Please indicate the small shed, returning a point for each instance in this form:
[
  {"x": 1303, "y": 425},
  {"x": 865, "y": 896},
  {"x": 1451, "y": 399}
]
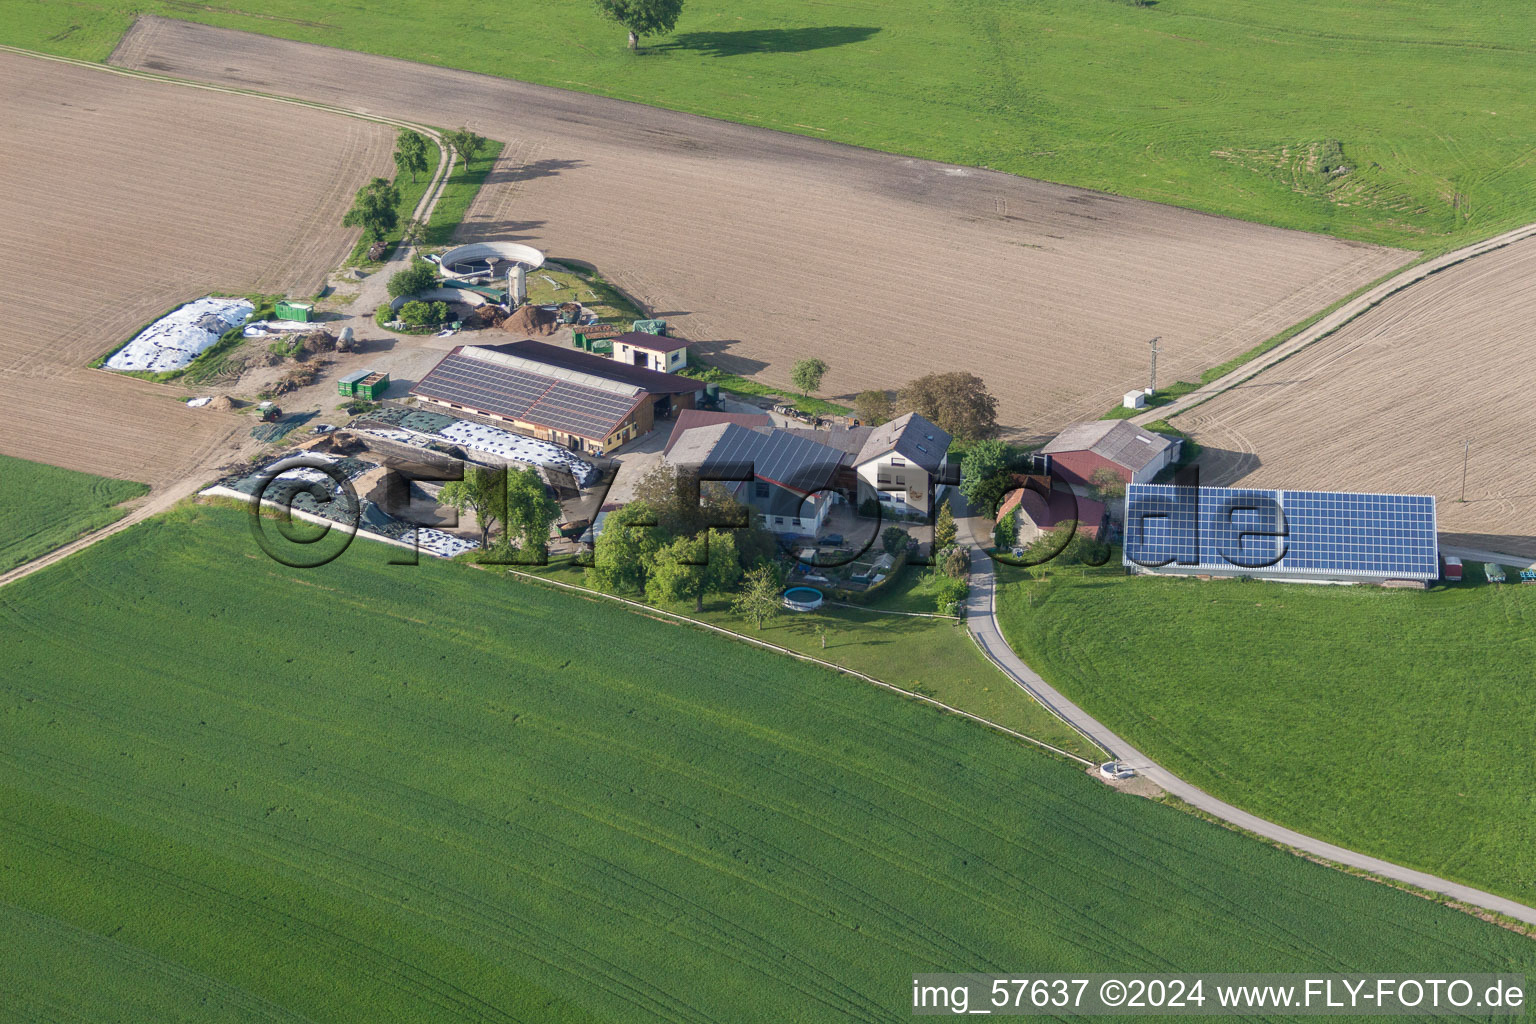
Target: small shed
[
  {"x": 303, "y": 312},
  {"x": 1134, "y": 400},
  {"x": 346, "y": 387}
]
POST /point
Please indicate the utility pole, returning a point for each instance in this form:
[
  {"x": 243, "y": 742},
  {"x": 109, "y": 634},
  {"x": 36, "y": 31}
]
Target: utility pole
[
  {"x": 1152, "y": 380},
  {"x": 1466, "y": 448}
]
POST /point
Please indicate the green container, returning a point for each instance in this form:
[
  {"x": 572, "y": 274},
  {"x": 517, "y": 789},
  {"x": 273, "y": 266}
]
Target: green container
[
  {"x": 372, "y": 387},
  {"x": 656, "y": 327},
  {"x": 303, "y": 312},
  {"x": 347, "y": 386}
]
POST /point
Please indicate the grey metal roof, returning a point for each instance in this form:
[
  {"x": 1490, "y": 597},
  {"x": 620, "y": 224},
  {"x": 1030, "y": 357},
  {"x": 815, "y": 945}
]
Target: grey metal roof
[
  {"x": 573, "y": 360},
  {"x": 354, "y": 376},
  {"x": 911, "y": 436},
  {"x": 778, "y": 456},
  {"x": 1120, "y": 441},
  {"x": 504, "y": 385},
  {"x": 844, "y": 439}
]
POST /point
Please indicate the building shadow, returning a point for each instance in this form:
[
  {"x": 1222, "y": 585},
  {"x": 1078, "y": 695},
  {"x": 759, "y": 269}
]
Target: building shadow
[
  {"x": 717, "y": 353},
  {"x": 768, "y": 40}
]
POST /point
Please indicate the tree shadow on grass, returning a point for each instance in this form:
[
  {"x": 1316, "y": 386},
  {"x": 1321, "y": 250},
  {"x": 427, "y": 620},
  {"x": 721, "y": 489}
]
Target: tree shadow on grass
[{"x": 768, "y": 40}]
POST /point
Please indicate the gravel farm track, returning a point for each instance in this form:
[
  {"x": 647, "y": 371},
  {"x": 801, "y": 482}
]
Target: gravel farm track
[
  {"x": 764, "y": 247},
  {"x": 1385, "y": 402},
  {"x": 129, "y": 197}
]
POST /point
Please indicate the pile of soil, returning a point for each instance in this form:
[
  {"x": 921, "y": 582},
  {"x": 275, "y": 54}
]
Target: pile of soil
[
  {"x": 316, "y": 341},
  {"x": 223, "y": 403},
  {"x": 531, "y": 321},
  {"x": 298, "y": 377},
  {"x": 487, "y": 315}
]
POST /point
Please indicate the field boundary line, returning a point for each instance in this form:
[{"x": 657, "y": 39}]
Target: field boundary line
[
  {"x": 651, "y": 610},
  {"x": 982, "y": 618},
  {"x": 1326, "y": 326}
]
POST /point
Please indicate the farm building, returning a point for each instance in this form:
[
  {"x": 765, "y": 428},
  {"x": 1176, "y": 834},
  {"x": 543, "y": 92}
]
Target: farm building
[
  {"x": 1131, "y": 453},
  {"x": 582, "y": 401},
  {"x": 1043, "y": 510},
  {"x": 903, "y": 463},
  {"x": 652, "y": 351},
  {"x": 785, "y": 478},
  {"x": 690, "y": 419},
  {"x": 1315, "y": 536}
]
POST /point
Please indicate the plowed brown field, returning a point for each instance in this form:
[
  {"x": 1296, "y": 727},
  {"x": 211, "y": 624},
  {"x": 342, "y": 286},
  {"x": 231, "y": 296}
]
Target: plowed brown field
[
  {"x": 1385, "y": 403},
  {"x": 124, "y": 198},
  {"x": 765, "y": 248}
]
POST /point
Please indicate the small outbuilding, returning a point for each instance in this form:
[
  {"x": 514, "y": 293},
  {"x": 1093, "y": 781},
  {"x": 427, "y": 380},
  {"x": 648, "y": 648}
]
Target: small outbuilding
[{"x": 1131, "y": 453}]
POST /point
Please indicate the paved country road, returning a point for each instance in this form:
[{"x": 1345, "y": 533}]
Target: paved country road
[{"x": 981, "y": 619}]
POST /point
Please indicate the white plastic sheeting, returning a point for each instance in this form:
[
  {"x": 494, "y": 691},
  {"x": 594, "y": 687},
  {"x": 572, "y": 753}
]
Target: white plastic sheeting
[
  {"x": 174, "y": 340},
  {"x": 518, "y": 448},
  {"x": 443, "y": 545},
  {"x": 262, "y": 328}
]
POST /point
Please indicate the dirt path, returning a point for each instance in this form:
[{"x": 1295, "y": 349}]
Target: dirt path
[{"x": 764, "y": 248}]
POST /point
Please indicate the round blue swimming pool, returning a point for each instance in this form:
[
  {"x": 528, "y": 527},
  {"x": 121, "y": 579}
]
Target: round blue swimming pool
[{"x": 802, "y": 599}]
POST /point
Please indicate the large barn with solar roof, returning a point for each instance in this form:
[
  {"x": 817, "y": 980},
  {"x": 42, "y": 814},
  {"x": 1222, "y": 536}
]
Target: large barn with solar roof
[{"x": 584, "y": 402}]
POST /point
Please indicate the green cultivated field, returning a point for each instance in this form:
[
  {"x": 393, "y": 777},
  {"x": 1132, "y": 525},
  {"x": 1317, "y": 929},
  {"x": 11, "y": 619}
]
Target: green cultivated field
[
  {"x": 932, "y": 657},
  {"x": 380, "y": 793},
  {"x": 1247, "y": 109},
  {"x": 1392, "y": 722},
  {"x": 45, "y": 507}
]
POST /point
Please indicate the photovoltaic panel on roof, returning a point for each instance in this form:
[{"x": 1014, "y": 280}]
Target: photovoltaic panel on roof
[
  {"x": 1303, "y": 534},
  {"x": 518, "y": 393}
]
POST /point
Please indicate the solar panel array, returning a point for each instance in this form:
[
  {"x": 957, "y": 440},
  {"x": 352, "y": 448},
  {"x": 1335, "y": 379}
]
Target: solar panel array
[
  {"x": 1307, "y": 534},
  {"x": 522, "y": 394}
]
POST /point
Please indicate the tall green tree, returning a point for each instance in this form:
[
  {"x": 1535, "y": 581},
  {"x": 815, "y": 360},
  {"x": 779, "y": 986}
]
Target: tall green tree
[
  {"x": 374, "y": 209},
  {"x": 958, "y": 402},
  {"x": 684, "y": 505},
  {"x": 807, "y": 374},
  {"x": 410, "y": 153},
  {"x": 642, "y": 17},
  {"x": 981, "y": 474},
  {"x": 872, "y": 407},
  {"x": 531, "y": 511},
  {"x": 943, "y": 529},
  {"x": 482, "y": 492},
  {"x": 465, "y": 143},
  {"x": 758, "y": 598},
  {"x": 625, "y": 549},
  {"x": 690, "y": 567}
]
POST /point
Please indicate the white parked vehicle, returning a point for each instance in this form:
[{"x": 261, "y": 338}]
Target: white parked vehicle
[{"x": 1116, "y": 770}]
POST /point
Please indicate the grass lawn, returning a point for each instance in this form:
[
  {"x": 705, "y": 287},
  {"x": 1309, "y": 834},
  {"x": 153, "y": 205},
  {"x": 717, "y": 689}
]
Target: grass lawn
[
  {"x": 384, "y": 793},
  {"x": 932, "y": 657},
  {"x": 1248, "y": 110},
  {"x": 1391, "y": 722},
  {"x": 584, "y": 286},
  {"x": 458, "y": 192},
  {"x": 45, "y": 507}
]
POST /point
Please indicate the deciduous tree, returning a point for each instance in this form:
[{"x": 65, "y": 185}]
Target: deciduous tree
[
  {"x": 465, "y": 143},
  {"x": 373, "y": 209},
  {"x": 483, "y": 492},
  {"x": 981, "y": 474},
  {"x": 806, "y": 375},
  {"x": 759, "y": 599},
  {"x": 642, "y": 17},
  {"x": 690, "y": 567},
  {"x": 410, "y": 153},
  {"x": 958, "y": 402},
  {"x": 872, "y": 407},
  {"x": 531, "y": 511},
  {"x": 624, "y": 551}
]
